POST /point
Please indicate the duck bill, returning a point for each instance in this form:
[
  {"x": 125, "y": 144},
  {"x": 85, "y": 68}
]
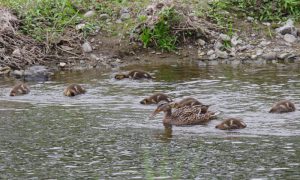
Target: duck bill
[{"x": 154, "y": 114}]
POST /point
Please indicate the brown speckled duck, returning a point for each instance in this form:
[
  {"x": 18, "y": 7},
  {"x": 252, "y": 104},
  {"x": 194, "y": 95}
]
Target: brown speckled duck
[
  {"x": 190, "y": 102},
  {"x": 283, "y": 106},
  {"x": 183, "y": 116},
  {"x": 156, "y": 98},
  {"x": 135, "y": 74},
  {"x": 231, "y": 123},
  {"x": 73, "y": 90},
  {"x": 19, "y": 89}
]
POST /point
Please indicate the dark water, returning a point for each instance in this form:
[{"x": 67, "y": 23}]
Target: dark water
[{"x": 106, "y": 133}]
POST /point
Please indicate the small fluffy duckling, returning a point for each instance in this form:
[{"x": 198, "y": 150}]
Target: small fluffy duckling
[
  {"x": 231, "y": 123},
  {"x": 19, "y": 89},
  {"x": 190, "y": 102},
  {"x": 73, "y": 90},
  {"x": 283, "y": 106},
  {"x": 135, "y": 74},
  {"x": 156, "y": 98}
]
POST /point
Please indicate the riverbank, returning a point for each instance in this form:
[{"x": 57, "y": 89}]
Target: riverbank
[{"x": 104, "y": 37}]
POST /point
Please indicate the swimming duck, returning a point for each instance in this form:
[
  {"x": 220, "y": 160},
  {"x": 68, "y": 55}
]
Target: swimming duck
[
  {"x": 231, "y": 123},
  {"x": 135, "y": 74},
  {"x": 190, "y": 102},
  {"x": 19, "y": 89},
  {"x": 73, "y": 90},
  {"x": 283, "y": 106},
  {"x": 156, "y": 98},
  {"x": 182, "y": 116}
]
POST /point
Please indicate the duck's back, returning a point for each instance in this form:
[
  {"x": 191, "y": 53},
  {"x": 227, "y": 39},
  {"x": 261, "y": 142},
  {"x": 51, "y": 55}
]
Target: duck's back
[{"x": 188, "y": 116}]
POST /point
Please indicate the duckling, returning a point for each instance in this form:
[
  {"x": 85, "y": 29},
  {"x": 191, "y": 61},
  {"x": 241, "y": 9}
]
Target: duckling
[
  {"x": 190, "y": 102},
  {"x": 182, "y": 116},
  {"x": 231, "y": 123},
  {"x": 19, "y": 89},
  {"x": 156, "y": 98},
  {"x": 283, "y": 106},
  {"x": 73, "y": 90},
  {"x": 135, "y": 74}
]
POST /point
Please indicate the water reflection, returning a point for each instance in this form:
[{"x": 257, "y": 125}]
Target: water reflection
[{"x": 106, "y": 133}]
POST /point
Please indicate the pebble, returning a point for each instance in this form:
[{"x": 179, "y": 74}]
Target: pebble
[
  {"x": 221, "y": 54},
  {"x": 86, "y": 47},
  {"x": 289, "y": 38},
  {"x": 89, "y": 14},
  {"x": 210, "y": 52},
  {"x": 270, "y": 56}
]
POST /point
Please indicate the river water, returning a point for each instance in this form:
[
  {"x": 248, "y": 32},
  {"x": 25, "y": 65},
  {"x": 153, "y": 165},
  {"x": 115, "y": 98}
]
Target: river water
[{"x": 107, "y": 134}]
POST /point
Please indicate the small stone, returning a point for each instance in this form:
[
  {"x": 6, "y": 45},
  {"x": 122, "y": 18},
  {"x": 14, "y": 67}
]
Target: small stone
[
  {"x": 266, "y": 24},
  {"x": 270, "y": 56},
  {"x": 222, "y": 54},
  {"x": 259, "y": 52},
  {"x": 17, "y": 52},
  {"x": 235, "y": 41},
  {"x": 224, "y": 37},
  {"x": 125, "y": 16},
  {"x": 253, "y": 56},
  {"x": 250, "y": 19},
  {"x": 289, "y": 38},
  {"x": 94, "y": 57},
  {"x": 212, "y": 57},
  {"x": 81, "y": 61},
  {"x": 89, "y": 14},
  {"x": 92, "y": 40},
  {"x": 86, "y": 47},
  {"x": 218, "y": 45},
  {"x": 200, "y": 53},
  {"x": 282, "y": 56},
  {"x": 210, "y": 52},
  {"x": 62, "y": 64},
  {"x": 118, "y": 21},
  {"x": 103, "y": 17},
  {"x": 79, "y": 26},
  {"x": 201, "y": 42},
  {"x": 264, "y": 43}
]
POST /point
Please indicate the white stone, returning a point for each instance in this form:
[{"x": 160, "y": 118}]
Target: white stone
[
  {"x": 86, "y": 47},
  {"x": 201, "y": 42},
  {"x": 62, "y": 64},
  {"x": 289, "y": 38},
  {"x": 89, "y": 14},
  {"x": 224, "y": 37},
  {"x": 210, "y": 52},
  {"x": 218, "y": 45},
  {"x": 17, "y": 52},
  {"x": 222, "y": 54},
  {"x": 79, "y": 26}
]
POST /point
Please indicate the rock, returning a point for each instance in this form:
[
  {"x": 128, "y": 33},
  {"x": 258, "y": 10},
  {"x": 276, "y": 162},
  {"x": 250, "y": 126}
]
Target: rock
[
  {"x": 86, "y": 47},
  {"x": 212, "y": 57},
  {"x": 289, "y": 38},
  {"x": 224, "y": 37},
  {"x": 17, "y": 53},
  {"x": 125, "y": 16},
  {"x": 282, "y": 56},
  {"x": 33, "y": 73},
  {"x": 221, "y": 54},
  {"x": 201, "y": 42},
  {"x": 200, "y": 53},
  {"x": 62, "y": 64},
  {"x": 94, "y": 57},
  {"x": 103, "y": 17},
  {"x": 89, "y": 14},
  {"x": 288, "y": 28},
  {"x": 118, "y": 21},
  {"x": 266, "y": 24},
  {"x": 5, "y": 70},
  {"x": 264, "y": 43},
  {"x": 79, "y": 26},
  {"x": 270, "y": 56},
  {"x": 259, "y": 52},
  {"x": 218, "y": 45},
  {"x": 253, "y": 56},
  {"x": 210, "y": 52},
  {"x": 250, "y": 19},
  {"x": 235, "y": 41}
]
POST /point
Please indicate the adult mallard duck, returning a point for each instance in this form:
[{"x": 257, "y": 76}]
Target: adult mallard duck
[
  {"x": 183, "y": 116},
  {"x": 73, "y": 90},
  {"x": 190, "y": 102},
  {"x": 135, "y": 74},
  {"x": 156, "y": 98},
  {"x": 231, "y": 123},
  {"x": 283, "y": 106},
  {"x": 19, "y": 89}
]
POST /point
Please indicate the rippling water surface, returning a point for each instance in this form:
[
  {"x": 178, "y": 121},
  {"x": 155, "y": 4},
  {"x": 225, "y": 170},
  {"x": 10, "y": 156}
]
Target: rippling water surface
[{"x": 106, "y": 133}]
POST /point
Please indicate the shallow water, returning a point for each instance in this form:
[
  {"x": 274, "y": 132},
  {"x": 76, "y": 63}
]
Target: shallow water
[{"x": 106, "y": 133}]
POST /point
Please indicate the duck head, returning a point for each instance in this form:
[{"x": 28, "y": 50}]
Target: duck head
[
  {"x": 145, "y": 101},
  {"x": 121, "y": 76},
  {"x": 162, "y": 107}
]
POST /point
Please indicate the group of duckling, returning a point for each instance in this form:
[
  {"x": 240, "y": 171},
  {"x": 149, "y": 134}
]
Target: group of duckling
[{"x": 189, "y": 111}]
